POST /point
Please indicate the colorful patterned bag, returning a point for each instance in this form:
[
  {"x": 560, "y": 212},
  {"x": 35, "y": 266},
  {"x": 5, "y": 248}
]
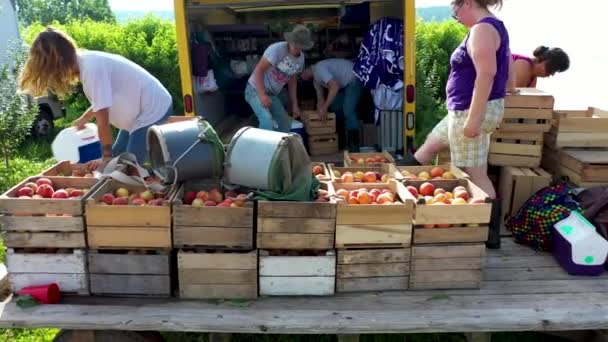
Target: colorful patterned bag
[{"x": 533, "y": 224}]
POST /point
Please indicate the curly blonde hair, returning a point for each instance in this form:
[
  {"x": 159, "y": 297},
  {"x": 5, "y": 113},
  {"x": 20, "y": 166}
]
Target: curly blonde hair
[{"x": 52, "y": 64}]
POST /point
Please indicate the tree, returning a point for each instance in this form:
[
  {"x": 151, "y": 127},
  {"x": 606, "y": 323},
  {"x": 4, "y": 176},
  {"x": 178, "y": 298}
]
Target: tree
[
  {"x": 17, "y": 113},
  {"x": 48, "y": 11}
]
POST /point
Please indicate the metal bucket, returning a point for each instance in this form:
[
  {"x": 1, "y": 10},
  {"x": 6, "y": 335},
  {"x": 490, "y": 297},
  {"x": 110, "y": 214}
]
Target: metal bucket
[
  {"x": 179, "y": 151},
  {"x": 250, "y": 156}
]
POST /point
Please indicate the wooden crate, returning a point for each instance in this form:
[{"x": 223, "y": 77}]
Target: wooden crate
[
  {"x": 360, "y": 159},
  {"x": 437, "y": 267},
  {"x": 130, "y": 273},
  {"x": 443, "y": 157},
  {"x": 383, "y": 169},
  {"x": 296, "y": 225},
  {"x": 67, "y": 169},
  {"x": 297, "y": 275},
  {"x": 585, "y": 167},
  {"x": 530, "y": 98},
  {"x": 325, "y": 176},
  {"x": 517, "y": 185},
  {"x": 369, "y": 226},
  {"x": 416, "y": 170},
  {"x": 213, "y": 227},
  {"x": 323, "y": 144},
  {"x": 584, "y": 128},
  {"x": 217, "y": 275},
  {"x": 126, "y": 226},
  {"x": 315, "y": 126},
  {"x": 65, "y": 267},
  {"x": 45, "y": 223},
  {"x": 373, "y": 270},
  {"x": 463, "y": 223},
  {"x": 517, "y": 146}
]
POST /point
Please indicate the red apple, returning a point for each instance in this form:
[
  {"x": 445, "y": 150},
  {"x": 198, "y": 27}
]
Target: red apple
[
  {"x": 437, "y": 172},
  {"x": 216, "y": 196},
  {"x": 25, "y": 191},
  {"x": 477, "y": 201},
  {"x": 32, "y": 185},
  {"x": 189, "y": 197},
  {"x": 427, "y": 189},
  {"x": 139, "y": 201},
  {"x": 231, "y": 194},
  {"x": 47, "y": 181},
  {"x": 460, "y": 187},
  {"x": 37, "y": 197},
  {"x": 24, "y": 197},
  {"x": 210, "y": 204},
  {"x": 224, "y": 205},
  {"x": 76, "y": 193},
  {"x": 107, "y": 198},
  {"x": 45, "y": 190},
  {"x": 413, "y": 191},
  {"x": 202, "y": 195},
  {"x": 120, "y": 201},
  {"x": 461, "y": 194}
]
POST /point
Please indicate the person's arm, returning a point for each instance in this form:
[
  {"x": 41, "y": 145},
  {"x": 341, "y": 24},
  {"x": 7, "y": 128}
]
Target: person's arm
[
  {"x": 263, "y": 65},
  {"x": 482, "y": 48},
  {"x": 102, "y": 118},
  {"x": 511, "y": 88},
  {"x": 333, "y": 89},
  {"x": 320, "y": 94},
  {"x": 293, "y": 96}
]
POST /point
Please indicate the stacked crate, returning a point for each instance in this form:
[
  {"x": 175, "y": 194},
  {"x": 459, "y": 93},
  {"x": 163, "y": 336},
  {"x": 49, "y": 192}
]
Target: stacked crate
[
  {"x": 45, "y": 237},
  {"x": 519, "y": 140},
  {"x": 448, "y": 240},
  {"x": 577, "y": 147},
  {"x": 296, "y": 242},
  {"x": 129, "y": 245},
  {"x": 216, "y": 257},
  {"x": 322, "y": 137},
  {"x": 373, "y": 240}
]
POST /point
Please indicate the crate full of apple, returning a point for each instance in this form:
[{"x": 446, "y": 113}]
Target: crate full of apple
[
  {"x": 67, "y": 169},
  {"x": 364, "y": 174},
  {"x": 43, "y": 212},
  {"x": 204, "y": 215},
  {"x": 373, "y": 215},
  {"x": 370, "y": 159},
  {"x": 120, "y": 216},
  {"x": 449, "y": 211},
  {"x": 428, "y": 172}
]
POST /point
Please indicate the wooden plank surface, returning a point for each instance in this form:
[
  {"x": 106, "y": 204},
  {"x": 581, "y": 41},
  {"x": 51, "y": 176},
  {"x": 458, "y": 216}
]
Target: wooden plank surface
[
  {"x": 372, "y": 284},
  {"x": 295, "y": 241},
  {"x": 397, "y": 269},
  {"x": 46, "y": 262},
  {"x": 43, "y": 240},
  {"x": 224, "y": 291},
  {"x": 528, "y": 113},
  {"x": 529, "y": 98},
  {"x": 105, "y": 263},
  {"x": 373, "y": 234},
  {"x": 67, "y": 282},
  {"x": 296, "y": 209},
  {"x": 128, "y": 237},
  {"x": 130, "y": 284},
  {"x": 218, "y": 261},
  {"x": 296, "y": 225},
  {"x": 286, "y": 266},
  {"x": 213, "y": 236},
  {"x": 42, "y": 223},
  {"x": 371, "y": 256},
  {"x": 297, "y": 286},
  {"x": 187, "y": 215},
  {"x": 513, "y": 160},
  {"x": 127, "y": 216},
  {"x": 450, "y": 235}
]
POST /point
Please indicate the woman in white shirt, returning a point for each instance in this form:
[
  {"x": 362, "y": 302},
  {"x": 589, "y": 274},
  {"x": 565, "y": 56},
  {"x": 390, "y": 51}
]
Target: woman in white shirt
[{"x": 121, "y": 93}]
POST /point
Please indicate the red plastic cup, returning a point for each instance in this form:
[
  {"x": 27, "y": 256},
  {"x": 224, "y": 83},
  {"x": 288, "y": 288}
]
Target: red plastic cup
[{"x": 46, "y": 294}]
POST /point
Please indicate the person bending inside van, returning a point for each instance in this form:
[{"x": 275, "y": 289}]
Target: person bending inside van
[
  {"x": 344, "y": 91},
  {"x": 280, "y": 65},
  {"x": 121, "y": 93},
  {"x": 546, "y": 63}
]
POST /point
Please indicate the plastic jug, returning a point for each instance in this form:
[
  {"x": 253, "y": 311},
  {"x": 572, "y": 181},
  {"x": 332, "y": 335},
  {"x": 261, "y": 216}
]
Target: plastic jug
[{"x": 77, "y": 146}]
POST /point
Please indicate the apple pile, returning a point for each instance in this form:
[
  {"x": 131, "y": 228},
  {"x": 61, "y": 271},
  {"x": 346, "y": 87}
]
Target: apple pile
[
  {"x": 362, "y": 177},
  {"x": 122, "y": 196},
  {"x": 378, "y": 159},
  {"x": 365, "y": 196},
  {"x": 44, "y": 188},
  {"x": 76, "y": 172},
  {"x": 435, "y": 173},
  {"x": 215, "y": 198}
]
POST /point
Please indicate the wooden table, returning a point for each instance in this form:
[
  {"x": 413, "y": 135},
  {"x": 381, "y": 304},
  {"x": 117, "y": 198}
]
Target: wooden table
[{"x": 522, "y": 291}]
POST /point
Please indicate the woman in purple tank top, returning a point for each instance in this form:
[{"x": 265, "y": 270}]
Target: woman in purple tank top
[
  {"x": 475, "y": 99},
  {"x": 546, "y": 63}
]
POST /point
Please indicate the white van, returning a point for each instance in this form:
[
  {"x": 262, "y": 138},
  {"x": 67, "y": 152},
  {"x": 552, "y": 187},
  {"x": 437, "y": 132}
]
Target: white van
[{"x": 50, "y": 108}]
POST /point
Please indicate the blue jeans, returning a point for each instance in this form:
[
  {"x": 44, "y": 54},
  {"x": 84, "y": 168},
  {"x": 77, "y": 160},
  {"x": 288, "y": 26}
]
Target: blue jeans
[
  {"x": 346, "y": 102},
  {"x": 265, "y": 115},
  {"x": 135, "y": 142}
]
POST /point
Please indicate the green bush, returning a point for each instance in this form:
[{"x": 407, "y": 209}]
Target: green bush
[
  {"x": 434, "y": 45},
  {"x": 149, "y": 42}
]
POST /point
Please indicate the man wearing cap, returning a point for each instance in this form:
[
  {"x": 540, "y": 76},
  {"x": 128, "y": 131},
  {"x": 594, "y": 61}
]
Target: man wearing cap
[
  {"x": 280, "y": 65},
  {"x": 343, "y": 93}
]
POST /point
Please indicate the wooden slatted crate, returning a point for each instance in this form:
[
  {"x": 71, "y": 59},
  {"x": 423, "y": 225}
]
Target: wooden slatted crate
[
  {"x": 323, "y": 144},
  {"x": 67, "y": 169},
  {"x": 46, "y": 222},
  {"x": 219, "y": 275},
  {"x": 208, "y": 226},
  {"x": 370, "y": 226},
  {"x": 526, "y": 119},
  {"x": 373, "y": 270},
  {"x": 365, "y": 159},
  {"x": 413, "y": 172},
  {"x": 517, "y": 185},
  {"x": 297, "y": 275},
  {"x": 65, "y": 267},
  {"x": 523, "y": 149},
  {"x": 387, "y": 170},
  {"x": 530, "y": 98},
  {"x": 580, "y": 128},
  {"x": 126, "y": 226},
  {"x": 296, "y": 225},
  {"x": 130, "y": 273},
  {"x": 585, "y": 167},
  {"x": 446, "y": 223},
  {"x": 315, "y": 126},
  {"x": 436, "y": 267}
]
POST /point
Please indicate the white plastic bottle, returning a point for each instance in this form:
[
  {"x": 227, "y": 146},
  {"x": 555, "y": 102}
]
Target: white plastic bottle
[{"x": 77, "y": 146}]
